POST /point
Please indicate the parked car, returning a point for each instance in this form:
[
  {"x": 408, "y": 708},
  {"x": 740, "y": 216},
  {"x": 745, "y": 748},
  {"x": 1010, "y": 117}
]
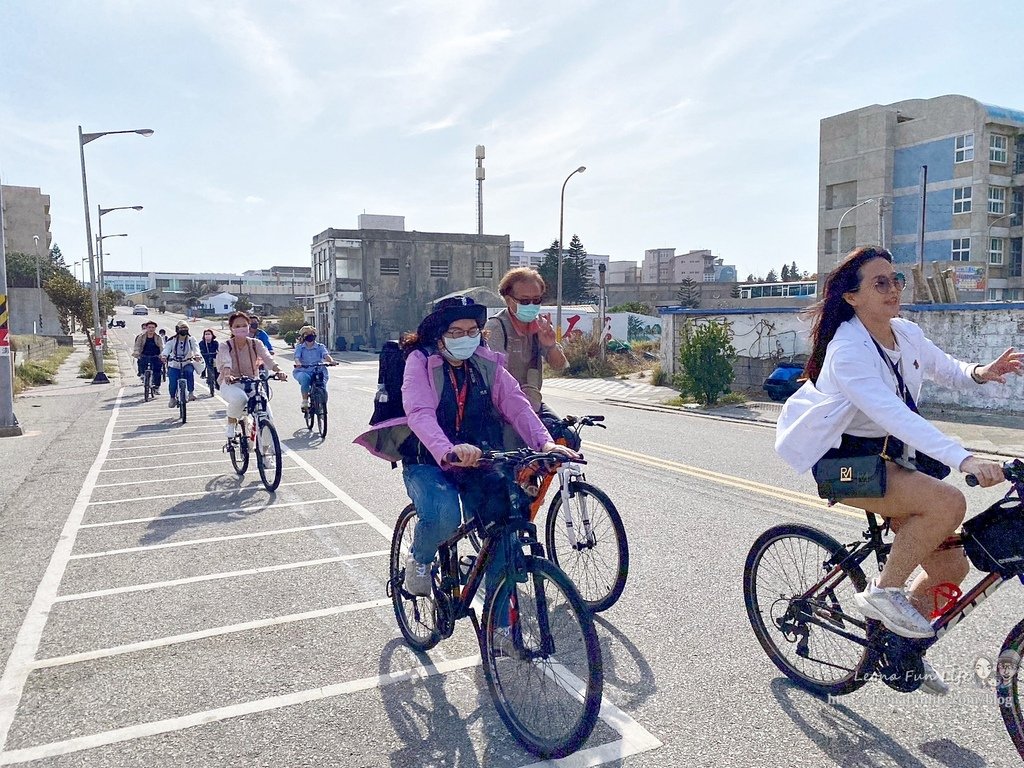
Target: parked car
[
  {"x": 140, "y": 309},
  {"x": 784, "y": 381}
]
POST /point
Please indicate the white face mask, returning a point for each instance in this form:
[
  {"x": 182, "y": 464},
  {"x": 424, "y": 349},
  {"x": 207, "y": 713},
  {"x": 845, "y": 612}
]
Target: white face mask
[{"x": 462, "y": 349}]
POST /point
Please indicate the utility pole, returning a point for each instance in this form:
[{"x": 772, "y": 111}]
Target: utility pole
[
  {"x": 881, "y": 221},
  {"x": 602, "y": 310},
  {"x": 480, "y": 189},
  {"x": 921, "y": 291},
  {"x": 9, "y": 426}
]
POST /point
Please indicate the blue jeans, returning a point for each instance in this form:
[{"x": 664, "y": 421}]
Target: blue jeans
[
  {"x": 173, "y": 374},
  {"x": 303, "y": 376},
  {"x": 439, "y": 512}
]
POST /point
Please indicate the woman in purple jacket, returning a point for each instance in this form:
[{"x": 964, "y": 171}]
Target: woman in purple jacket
[{"x": 457, "y": 396}]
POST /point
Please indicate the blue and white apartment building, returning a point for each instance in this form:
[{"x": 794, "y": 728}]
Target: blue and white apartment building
[{"x": 872, "y": 158}]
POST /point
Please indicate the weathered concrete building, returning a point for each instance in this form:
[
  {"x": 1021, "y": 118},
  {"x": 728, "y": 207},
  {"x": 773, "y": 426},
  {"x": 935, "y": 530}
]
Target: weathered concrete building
[
  {"x": 26, "y": 213},
  {"x": 371, "y": 284}
]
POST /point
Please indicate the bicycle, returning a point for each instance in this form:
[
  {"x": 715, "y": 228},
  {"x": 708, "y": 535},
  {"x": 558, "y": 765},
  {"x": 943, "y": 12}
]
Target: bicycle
[
  {"x": 799, "y": 581},
  {"x": 316, "y": 408},
  {"x": 182, "y": 394},
  {"x": 550, "y": 653},
  {"x": 255, "y": 429},
  {"x": 149, "y": 373},
  {"x": 591, "y": 545},
  {"x": 209, "y": 374}
]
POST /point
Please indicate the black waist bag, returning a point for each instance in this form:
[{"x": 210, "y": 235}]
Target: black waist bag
[
  {"x": 994, "y": 540},
  {"x": 856, "y": 469}
]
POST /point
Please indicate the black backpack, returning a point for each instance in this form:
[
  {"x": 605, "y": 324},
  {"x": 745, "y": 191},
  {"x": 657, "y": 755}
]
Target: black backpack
[{"x": 387, "y": 403}]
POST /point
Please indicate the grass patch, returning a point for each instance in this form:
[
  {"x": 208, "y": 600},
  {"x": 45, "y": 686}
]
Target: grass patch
[
  {"x": 37, "y": 373},
  {"x": 87, "y": 368}
]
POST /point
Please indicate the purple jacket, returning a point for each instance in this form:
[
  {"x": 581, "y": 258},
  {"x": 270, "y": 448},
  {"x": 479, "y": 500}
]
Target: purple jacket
[{"x": 421, "y": 393}]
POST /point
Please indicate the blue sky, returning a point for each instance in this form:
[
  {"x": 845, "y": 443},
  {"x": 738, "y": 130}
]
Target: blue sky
[{"x": 697, "y": 121}]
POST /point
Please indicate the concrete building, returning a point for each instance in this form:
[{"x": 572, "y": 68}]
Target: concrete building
[
  {"x": 273, "y": 289},
  {"x": 664, "y": 265},
  {"x": 974, "y": 204},
  {"x": 372, "y": 284},
  {"x": 26, "y": 212},
  {"x": 623, "y": 273}
]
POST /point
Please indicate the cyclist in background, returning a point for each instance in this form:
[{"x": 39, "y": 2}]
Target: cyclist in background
[
  {"x": 181, "y": 353},
  {"x": 148, "y": 346},
  {"x": 208, "y": 349},
  {"x": 526, "y": 337},
  {"x": 308, "y": 353},
  {"x": 255, "y": 332},
  {"x": 237, "y": 357}
]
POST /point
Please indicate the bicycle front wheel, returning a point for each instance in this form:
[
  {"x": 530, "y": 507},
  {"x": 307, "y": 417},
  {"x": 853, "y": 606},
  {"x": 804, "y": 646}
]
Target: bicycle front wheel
[
  {"x": 268, "y": 455},
  {"x": 597, "y": 563},
  {"x": 817, "y": 638},
  {"x": 542, "y": 659},
  {"x": 310, "y": 414},
  {"x": 415, "y": 615},
  {"x": 321, "y": 415},
  {"x": 182, "y": 408},
  {"x": 147, "y": 386},
  {"x": 211, "y": 380},
  {"x": 1008, "y": 685},
  {"x": 239, "y": 451}
]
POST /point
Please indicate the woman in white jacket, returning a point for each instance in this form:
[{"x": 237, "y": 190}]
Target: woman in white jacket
[{"x": 864, "y": 377}]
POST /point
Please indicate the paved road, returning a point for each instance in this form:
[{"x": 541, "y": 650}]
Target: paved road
[{"x": 187, "y": 617}]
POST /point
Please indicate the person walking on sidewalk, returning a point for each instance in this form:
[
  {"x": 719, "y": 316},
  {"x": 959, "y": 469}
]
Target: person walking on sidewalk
[
  {"x": 526, "y": 337},
  {"x": 181, "y": 353},
  {"x": 864, "y": 379},
  {"x": 148, "y": 346}
]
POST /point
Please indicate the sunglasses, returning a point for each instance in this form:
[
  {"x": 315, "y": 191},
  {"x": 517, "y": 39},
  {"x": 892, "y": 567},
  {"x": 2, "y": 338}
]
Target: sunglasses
[
  {"x": 884, "y": 284},
  {"x": 538, "y": 300},
  {"x": 458, "y": 333}
]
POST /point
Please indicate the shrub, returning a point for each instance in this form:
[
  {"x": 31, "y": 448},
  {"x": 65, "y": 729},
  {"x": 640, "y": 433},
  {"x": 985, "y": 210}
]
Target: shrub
[
  {"x": 291, "y": 319},
  {"x": 584, "y": 359},
  {"x": 289, "y": 338},
  {"x": 659, "y": 378},
  {"x": 706, "y": 356}
]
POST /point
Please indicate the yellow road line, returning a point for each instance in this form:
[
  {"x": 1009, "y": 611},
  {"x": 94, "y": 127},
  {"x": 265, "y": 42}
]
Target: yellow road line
[{"x": 794, "y": 497}]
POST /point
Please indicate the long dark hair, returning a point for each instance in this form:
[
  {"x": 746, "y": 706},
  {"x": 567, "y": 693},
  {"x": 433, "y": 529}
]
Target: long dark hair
[{"x": 832, "y": 310}]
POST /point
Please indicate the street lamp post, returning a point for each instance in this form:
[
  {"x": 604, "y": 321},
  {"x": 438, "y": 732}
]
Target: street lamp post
[
  {"x": 98, "y": 327},
  {"x": 39, "y": 285},
  {"x": 561, "y": 251},
  {"x": 839, "y": 231},
  {"x": 99, "y": 224}
]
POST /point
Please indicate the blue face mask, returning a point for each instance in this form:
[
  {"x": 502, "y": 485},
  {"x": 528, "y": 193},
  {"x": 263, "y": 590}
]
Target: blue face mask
[
  {"x": 527, "y": 313},
  {"x": 462, "y": 349}
]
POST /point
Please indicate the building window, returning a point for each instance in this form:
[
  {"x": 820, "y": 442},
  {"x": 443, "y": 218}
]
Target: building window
[
  {"x": 995, "y": 294},
  {"x": 389, "y": 266},
  {"x": 439, "y": 267},
  {"x": 1017, "y": 206},
  {"x": 995, "y": 251},
  {"x": 961, "y": 249},
  {"x": 997, "y": 148},
  {"x": 484, "y": 269},
  {"x": 964, "y": 148},
  {"x": 962, "y": 200},
  {"x": 1016, "y": 254},
  {"x": 997, "y": 200}
]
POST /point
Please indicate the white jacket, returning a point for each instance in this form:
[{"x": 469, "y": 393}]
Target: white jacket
[
  {"x": 854, "y": 378},
  {"x": 174, "y": 348}
]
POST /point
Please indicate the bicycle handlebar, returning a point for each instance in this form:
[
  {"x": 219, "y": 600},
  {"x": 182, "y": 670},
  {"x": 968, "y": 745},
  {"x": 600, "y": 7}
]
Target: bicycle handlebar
[
  {"x": 1012, "y": 471},
  {"x": 519, "y": 458},
  {"x": 584, "y": 421}
]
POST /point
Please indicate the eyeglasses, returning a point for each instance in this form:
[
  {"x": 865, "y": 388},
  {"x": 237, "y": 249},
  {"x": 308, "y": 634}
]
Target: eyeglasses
[
  {"x": 884, "y": 284},
  {"x": 458, "y": 333},
  {"x": 537, "y": 300}
]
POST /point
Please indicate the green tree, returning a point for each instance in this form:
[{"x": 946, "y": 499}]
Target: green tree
[
  {"x": 72, "y": 300},
  {"x": 291, "y": 319},
  {"x": 22, "y": 267},
  {"x": 794, "y": 271},
  {"x": 689, "y": 293},
  {"x": 243, "y": 304},
  {"x": 636, "y": 307},
  {"x": 576, "y": 284},
  {"x": 57, "y": 258},
  {"x": 705, "y": 356},
  {"x": 154, "y": 297},
  {"x": 193, "y": 294},
  {"x": 771, "y": 277},
  {"x": 785, "y": 273}
]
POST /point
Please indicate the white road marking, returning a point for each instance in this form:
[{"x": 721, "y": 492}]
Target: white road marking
[
  {"x": 191, "y": 493},
  {"x": 236, "y": 710},
  {"x": 202, "y": 634},
  {"x": 186, "y": 477},
  {"x": 167, "y": 445},
  {"x": 19, "y": 664},
  {"x": 217, "y": 576},
  {"x": 212, "y": 540},
  {"x": 208, "y": 512},
  {"x": 207, "y": 431},
  {"x": 162, "y": 455}
]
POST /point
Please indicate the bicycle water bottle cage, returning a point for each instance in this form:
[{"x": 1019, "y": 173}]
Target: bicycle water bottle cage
[{"x": 944, "y": 597}]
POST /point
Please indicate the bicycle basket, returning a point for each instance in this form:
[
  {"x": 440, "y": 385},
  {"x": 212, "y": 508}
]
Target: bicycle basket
[{"x": 994, "y": 540}]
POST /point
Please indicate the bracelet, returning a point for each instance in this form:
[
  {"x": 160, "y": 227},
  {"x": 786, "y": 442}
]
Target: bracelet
[{"x": 974, "y": 374}]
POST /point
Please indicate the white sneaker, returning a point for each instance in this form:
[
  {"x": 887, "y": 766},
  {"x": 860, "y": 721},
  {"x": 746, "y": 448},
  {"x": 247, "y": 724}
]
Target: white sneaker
[
  {"x": 932, "y": 681},
  {"x": 417, "y": 578},
  {"x": 891, "y": 607}
]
